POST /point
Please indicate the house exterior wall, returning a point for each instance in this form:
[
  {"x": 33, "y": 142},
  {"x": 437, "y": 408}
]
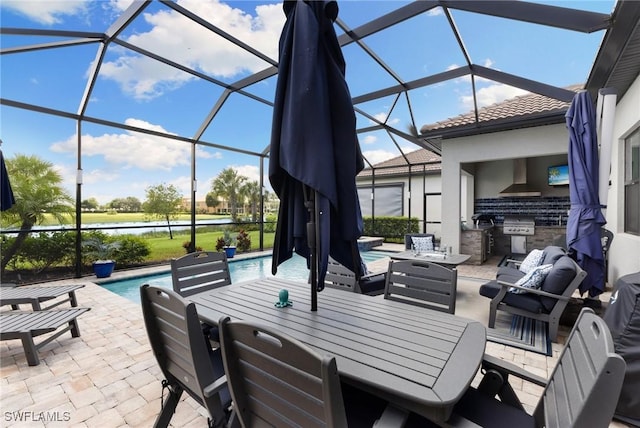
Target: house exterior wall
[
  {"x": 497, "y": 149},
  {"x": 624, "y": 254},
  {"x": 413, "y": 207}
]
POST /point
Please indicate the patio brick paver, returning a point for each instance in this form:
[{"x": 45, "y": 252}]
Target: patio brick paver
[{"x": 108, "y": 376}]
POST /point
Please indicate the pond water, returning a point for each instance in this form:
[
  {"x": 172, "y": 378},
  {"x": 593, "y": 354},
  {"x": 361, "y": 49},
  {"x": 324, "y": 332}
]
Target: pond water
[
  {"x": 140, "y": 227},
  {"x": 240, "y": 270}
]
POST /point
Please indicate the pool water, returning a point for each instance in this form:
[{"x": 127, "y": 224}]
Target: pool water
[{"x": 240, "y": 271}]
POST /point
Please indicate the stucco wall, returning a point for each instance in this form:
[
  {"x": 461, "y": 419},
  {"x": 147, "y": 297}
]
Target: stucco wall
[
  {"x": 499, "y": 148},
  {"x": 624, "y": 256}
]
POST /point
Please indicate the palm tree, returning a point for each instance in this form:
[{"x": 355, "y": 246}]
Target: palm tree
[
  {"x": 228, "y": 185},
  {"x": 36, "y": 186},
  {"x": 251, "y": 191}
]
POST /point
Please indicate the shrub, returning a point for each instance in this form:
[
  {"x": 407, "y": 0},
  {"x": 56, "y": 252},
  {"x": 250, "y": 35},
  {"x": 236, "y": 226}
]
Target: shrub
[
  {"x": 187, "y": 246},
  {"x": 225, "y": 240},
  {"x": 244, "y": 241},
  {"x": 43, "y": 250},
  {"x": 131, "y": 250},
  {"x": 270, "y": 221},
  {"x": 391, "y": 228}
]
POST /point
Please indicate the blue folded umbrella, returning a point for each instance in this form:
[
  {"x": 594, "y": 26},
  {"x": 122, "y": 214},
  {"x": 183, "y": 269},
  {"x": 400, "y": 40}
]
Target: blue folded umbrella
[{"x": 315, "y": 155}]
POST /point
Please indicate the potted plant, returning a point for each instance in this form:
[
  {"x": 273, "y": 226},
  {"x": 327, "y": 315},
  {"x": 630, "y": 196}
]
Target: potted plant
[
  {"x": 227, "y": 244},
  {"x": 102, "y": 252}
]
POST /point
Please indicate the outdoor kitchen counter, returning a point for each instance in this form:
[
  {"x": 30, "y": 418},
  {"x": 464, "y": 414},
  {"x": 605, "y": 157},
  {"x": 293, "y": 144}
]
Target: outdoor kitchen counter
[{"x": 474, "y": 241}]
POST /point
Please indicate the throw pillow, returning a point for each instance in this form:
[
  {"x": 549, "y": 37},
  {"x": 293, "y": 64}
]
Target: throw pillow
[
  {"x": 422, "y": 244},
  {"x": 533, "y": 279},
  {"x": 533, "y": 259}
]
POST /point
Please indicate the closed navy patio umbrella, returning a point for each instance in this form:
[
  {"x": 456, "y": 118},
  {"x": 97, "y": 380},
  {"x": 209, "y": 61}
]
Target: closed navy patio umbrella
[
  {"x": 585, "y": 217},
  {"x": 314, "y": 154},
  {"x": 6, "y": 193}
]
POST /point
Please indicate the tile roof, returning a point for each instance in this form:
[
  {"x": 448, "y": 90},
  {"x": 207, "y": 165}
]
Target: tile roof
[
  {"x": 517, "y": 108},
  {"x": 398, "y": 165},
  {"x": 514, "y": 108}
]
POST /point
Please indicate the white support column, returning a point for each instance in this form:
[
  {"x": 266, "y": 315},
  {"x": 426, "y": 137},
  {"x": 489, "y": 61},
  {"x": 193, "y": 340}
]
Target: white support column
[{"x": 605, "y": 116}]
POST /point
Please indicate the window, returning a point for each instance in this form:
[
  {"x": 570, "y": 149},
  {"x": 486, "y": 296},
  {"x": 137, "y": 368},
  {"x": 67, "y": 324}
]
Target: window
[
  {"x": 632, "y": 183},
  {"x": 388, "y": 200}
]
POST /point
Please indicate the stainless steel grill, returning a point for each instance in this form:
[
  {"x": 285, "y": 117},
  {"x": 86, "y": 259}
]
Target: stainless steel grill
[{"x": 518, "y": 226}]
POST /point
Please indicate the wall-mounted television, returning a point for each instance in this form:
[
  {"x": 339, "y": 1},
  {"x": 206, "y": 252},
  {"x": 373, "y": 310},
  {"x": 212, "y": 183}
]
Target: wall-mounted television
[{"x": 558, "y": 175}]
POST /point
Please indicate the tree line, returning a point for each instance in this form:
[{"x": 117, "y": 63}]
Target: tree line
[{"x": 38, "y": 190}]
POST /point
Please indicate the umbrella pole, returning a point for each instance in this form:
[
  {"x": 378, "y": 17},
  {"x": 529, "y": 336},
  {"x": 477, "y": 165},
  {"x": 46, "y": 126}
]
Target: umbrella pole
[{"x": 311, "y": 202}]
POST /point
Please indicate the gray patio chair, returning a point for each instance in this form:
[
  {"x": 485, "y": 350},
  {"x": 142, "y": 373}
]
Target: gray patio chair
[
  {"x": 184, "y": 355},
  {"x": 28, "y": 325},
  {"x": 278, "y": 381},
  {"x": 341, "y": 278},
  {"x": 423, "y": 284},
  {"x": 199, "y": 271},
  {"x": 582, "y": 391}
]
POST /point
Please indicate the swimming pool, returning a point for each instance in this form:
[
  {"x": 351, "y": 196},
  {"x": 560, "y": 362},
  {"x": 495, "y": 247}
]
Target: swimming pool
[{"x": 240, "y": 270}]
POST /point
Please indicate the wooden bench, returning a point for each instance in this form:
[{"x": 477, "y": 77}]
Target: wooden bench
[{"x": 28, "y": 325}]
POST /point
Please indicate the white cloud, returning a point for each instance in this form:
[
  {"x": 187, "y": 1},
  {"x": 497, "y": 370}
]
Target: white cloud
[
  {"x": 436, "y": 11},
  {"x": 491, "y": 94},
  {"x": 134, "y": 150},
  {"x": 369, "y": 139},
  {"x": 382, "y": 117},
  {"x": 377, "y": 156},
  {"x": 174, "y": 36},
  {"x": 47, "y": 12},
  {"x": 252, "y": 172}
]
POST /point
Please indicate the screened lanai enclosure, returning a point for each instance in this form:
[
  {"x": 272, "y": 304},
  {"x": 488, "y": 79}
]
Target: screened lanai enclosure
[{"x": 119, "y": 96}]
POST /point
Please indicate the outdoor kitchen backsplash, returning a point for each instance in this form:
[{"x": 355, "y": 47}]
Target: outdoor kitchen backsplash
[{"x": 546, "y": 211}]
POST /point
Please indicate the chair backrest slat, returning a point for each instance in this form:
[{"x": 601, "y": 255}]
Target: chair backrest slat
[
  {"x": 179, "y": 345},
  {"x": 197, "y": 272},
  {"x": 582, "y": 390},
  {"x": 422, "y": 283},
  {"x": 339, "y": 277},
  {"x": 277, "y": 380}
]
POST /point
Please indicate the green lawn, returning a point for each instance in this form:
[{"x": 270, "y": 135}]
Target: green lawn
[
  {"x": 92, "y": 218},
  {"x": 163, "y": 248}
]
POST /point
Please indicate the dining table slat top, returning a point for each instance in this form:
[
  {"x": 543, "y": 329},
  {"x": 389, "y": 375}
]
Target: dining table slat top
[
  {"x": 419, "y": 359},
  {"x": 438, "y": 258}
]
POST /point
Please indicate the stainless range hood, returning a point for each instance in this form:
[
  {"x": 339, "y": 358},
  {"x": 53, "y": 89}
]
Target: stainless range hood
[{"x": 519, "y": 187}]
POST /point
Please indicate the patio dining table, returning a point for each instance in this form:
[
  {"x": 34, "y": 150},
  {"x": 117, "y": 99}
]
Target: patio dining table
[
  {"x": 418, "y": 359},
  {"x": 451, "y": 260}
]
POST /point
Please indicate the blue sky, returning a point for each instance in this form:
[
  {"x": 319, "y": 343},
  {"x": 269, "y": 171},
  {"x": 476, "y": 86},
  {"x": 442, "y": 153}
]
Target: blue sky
[{"x": 142, "y": 92}]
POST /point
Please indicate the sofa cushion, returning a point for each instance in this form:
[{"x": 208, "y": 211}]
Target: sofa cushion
[
  {"x": 533, "y": 279},
  {"x": 422, "y": 244},
  {"x": 552, "y": 253},
  {"x": 527, "y": 301},
  {"x": 508, "y": 274},
  {"x": 533, "y": 260},
  {"x": 373, "y": 285},
  {"x": 557, "y": 280}
]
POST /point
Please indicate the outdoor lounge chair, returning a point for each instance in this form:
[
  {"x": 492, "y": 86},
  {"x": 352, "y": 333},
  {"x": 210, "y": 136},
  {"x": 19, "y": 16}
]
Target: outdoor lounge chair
[
  {"x": 184, "y": 355},
  {"x": 545, "y": 303},
  {"x": 200, "y": 271},
  {"x": 28, "y": 325},
  {"x": 422, "y": 283},
  {"x": 277, "y": 381},
  {"x": 582, "y": 391},
  {"x": 341, "y": 278},
  {"x": 35, "y": 295}
]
